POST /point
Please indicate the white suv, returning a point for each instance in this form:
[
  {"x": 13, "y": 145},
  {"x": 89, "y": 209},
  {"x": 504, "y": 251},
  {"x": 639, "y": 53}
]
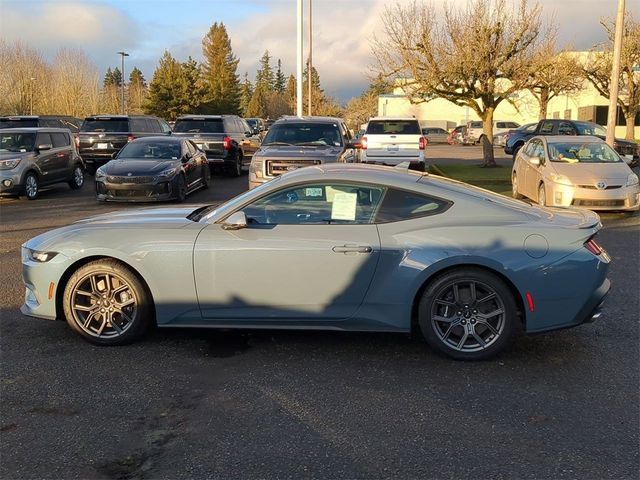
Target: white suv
[
  {"x": 393, "y": 140},
  {"x": 474, "y": 129}
]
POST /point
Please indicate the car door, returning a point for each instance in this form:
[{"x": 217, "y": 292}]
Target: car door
[
  {"x": 191, "y": 167},
  {"x": 46, "y": 159},
  {"x": 531, "y": 176},
  {"x": 308, "y": 253},
  {"x": 61, "y": 162}
]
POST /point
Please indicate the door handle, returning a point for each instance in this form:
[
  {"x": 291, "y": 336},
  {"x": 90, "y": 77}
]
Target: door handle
[{"x": 352, "y": 249}]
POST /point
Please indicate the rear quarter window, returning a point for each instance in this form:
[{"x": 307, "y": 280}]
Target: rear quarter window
[
  {"x": 60, "y": 140},
  {"x": 399, "y": 205}
]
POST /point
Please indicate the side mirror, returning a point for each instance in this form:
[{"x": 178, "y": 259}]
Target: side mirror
[
  {"x": 236, "y": 221},
  {"x": 535, "y": 160},
  {"x": 44, "y": 146}
]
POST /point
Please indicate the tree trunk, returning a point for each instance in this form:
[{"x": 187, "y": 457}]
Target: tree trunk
[
  {"x": 544, "y": 103},
  {"x": 487, "y": 139},
  {"x": 630, "y": 118}
]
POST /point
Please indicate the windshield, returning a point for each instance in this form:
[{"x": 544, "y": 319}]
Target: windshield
[
  {"x": 213, "y": 125},
  {"x": 18, "y": 123},
  {"x": 591, "y": 129},
  {"x": 17, "y": 142},
  {"x": 151, "y": 151},
  {"x": 573, "y": 152},
  {"x": 305, "y": 133},
  {"x": 105, "y": 125},
  {"x": 253, "y": 123}
]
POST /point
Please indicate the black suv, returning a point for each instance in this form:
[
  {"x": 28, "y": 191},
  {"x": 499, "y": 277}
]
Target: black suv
[
  {"x": 102, "y": 136},
  {"x": 34, "y": 157},
  {"x": 228, "y": 140},
  {"x": 52, "y": 121}
]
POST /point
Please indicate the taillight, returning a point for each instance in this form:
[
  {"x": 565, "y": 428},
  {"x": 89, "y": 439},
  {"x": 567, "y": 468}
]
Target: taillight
[
  {"x": 130, "y": 138},
  {"x": 422, "y": 143},
  {"x": 593, "y": 247},
  {"x": 226, "y": 143},
  {"x": 363, "y": 142}
]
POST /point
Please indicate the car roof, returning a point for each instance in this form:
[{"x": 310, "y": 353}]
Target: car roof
[
  {"x": 392, "y": 118},
  {"x": 36, "y": 129},
  {"x": 116, "y": 117},
  {"x": 160, "y": 138},
  {"x": 193, "y": 116},
  {"x": 570, "y": 138},
  {"x": 312, "y": 119}
]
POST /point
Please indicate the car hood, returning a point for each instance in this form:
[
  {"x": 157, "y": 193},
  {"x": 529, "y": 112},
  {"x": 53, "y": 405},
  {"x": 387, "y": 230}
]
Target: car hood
[
  {"x": 138, "y": 167},
  {"x": 593, "y": 172},
  {"x": 299, "y": 152},
  {"x": 141, "y": 216}
]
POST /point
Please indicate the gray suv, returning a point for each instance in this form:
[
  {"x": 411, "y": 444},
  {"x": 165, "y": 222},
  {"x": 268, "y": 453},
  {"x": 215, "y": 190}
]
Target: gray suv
[
  {"x": 34, "y": 157},
  {"x": 296, "y": 142}
]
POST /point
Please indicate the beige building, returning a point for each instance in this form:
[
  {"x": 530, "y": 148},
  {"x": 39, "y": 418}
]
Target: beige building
[{"x": 586, "y": 105}]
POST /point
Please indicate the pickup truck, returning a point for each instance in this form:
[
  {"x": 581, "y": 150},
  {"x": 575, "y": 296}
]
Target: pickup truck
[
  {"x": 630, "y": 151},
  {"x": 227, "y": 140}
]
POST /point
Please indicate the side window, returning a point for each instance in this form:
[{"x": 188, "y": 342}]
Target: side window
[
  {"x": 164, "y": 126},
  {"x": 137, "y": 125},
  {"x": 501, "y": 125},
  {"x": 60, "y": 140},
  {"x": 151, "y": 125},
  {"x": 401, "y": 205},
  {"x": 47, "y": 122},
  {"x": 566, "y": 128},
  {"x": 536, "y": 149},
  {"x": 44, "y": 139},
  {"x": 239, "y": 126},
  {"x": 244, "y": 126},
  {"x": 317, "y": 204},
  {"x": 547, "y": 128}
]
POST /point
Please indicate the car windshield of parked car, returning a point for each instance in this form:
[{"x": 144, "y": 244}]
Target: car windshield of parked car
[
  {"x": 105, "y": 125},
  {"x": 591, "y": 129},
  {"x": 202, "y": 125},
  {"x": 151, "y": 151},
  {"x": 304, "y": 133},
  {"x": 393, "y": 127},
  {"x": 17, "y": 142},
  {"x": 572, "y": 152},
  {"x": 253, "y": 123}
]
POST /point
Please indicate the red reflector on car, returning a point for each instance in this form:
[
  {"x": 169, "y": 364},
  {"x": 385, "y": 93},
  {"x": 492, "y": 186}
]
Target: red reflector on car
[
  {"x": 422, "y": 143},
  {"x": 593, "y": 247},
  {"x": 530, "y": 302},
  {"x": 363, "y": 143},
  {"x": 226, "y": 143},
  {"x": 130, "y": 138}
]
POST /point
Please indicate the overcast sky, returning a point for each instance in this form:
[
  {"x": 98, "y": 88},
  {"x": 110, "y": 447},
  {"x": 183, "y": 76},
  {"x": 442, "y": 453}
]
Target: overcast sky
[{"x": 342, "y": 31}]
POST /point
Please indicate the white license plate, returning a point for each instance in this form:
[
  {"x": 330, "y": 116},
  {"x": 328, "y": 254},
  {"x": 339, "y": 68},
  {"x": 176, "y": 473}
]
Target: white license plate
[
  {"x": 392, "y": 148},
  {"x": 102, "y": 146}
]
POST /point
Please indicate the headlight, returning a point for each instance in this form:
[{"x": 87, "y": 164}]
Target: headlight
[
  {"x": 41, "y": 257},
  {"x": 562, "y": 179},
  {"x": 9, "y": 164},
  {"x": 168, "y": 172},
  {"x": 100, "y": 173},
  {"x": 256, "y": 168},
  {"x": 632, "y": 179}
]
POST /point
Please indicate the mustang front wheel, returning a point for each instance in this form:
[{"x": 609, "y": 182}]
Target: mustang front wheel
[
  {"x": 106, "y": 303},
  {"x": 468, "y": 314}
]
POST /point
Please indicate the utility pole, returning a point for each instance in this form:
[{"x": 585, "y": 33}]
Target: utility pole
[
  {"x": 310, "y": 66},
  {"x": 123, "y": 54},
  {"x": 615, "y": 75},
  {"x": 31, "y": 96},
  {"x": 299, "y": 61}
]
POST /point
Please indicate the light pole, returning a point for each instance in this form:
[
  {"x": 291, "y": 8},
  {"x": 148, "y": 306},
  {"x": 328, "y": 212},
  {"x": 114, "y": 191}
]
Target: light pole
[
  {"x": 31, "y": 96},
  {"x": 309, "y": 68},
  {"x": 615, "y": 76},
  {"x": 299, "y": 60},
  {"x": 122, "y": 55}
]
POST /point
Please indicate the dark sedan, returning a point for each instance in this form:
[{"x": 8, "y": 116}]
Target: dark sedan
[{"x": 153, "y": 169}]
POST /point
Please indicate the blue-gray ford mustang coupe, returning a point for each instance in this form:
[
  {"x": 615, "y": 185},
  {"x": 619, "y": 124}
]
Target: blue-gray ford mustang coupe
[{"x": 337, "y": 247}]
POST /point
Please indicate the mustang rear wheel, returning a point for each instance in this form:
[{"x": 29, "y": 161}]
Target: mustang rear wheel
[
  {"x": 106, "y": 303},
  {"x": 468, "y": 314}
]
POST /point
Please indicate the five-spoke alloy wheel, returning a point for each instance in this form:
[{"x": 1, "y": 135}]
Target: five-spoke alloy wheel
[
  {"x": 106, "y": 303},
  {"x": 468, "y": 314}
]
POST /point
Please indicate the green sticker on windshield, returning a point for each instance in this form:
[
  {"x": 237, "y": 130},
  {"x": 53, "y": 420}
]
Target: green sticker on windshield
[{"x": 313, "y": 192}]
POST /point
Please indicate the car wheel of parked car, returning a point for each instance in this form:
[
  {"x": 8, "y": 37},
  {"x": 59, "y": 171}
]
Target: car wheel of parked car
[
  {"x": 77, "y": 178},
  {"x": 237, "y": 168},
  {"x": 181, "y": 189},
  {"x": 516, "y": 149},
  {"x": 514, "y": 187},
  {"x": 206, "y": 177},
  {"x": 542, "y": 195},
  {"x": 31, "y": 186},
  {"x": 106, "y": 303},
  {"x": 468, "y": 314}
]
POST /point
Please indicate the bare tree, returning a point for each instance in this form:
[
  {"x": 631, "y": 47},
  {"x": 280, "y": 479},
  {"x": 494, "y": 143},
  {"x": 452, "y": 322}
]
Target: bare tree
[
  {"x": 74, "y": 84},
  {"x": 554, "y": 73},
  {"x": 21, "y": 64},
  {"x": 476, "y": 56},
  {"x": 599, "y": 65}
]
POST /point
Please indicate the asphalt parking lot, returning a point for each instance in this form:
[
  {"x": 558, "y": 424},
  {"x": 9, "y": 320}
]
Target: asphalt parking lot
[{"x": 208, "y": 404}]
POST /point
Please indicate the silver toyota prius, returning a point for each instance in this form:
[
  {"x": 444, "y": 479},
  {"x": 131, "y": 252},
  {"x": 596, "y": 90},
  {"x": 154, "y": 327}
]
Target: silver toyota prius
[{"x": 332, "y": 247}]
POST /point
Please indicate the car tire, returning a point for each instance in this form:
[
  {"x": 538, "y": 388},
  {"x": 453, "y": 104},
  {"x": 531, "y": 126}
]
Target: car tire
[
  {"x": 181, "y": 189},
  {"x": 465, "y": 322},
  {"x": 514, "y": 187},
  {"x": 77, "y": 178},
  {"x": 516, "y": 149},
  {"x": 107, "y": 304},
  {"x": 237, "y": 167},
  {"x": 31, "y": 186},
  {"x": 206, "y": 176},
  {"x": 542, "y": 195}
]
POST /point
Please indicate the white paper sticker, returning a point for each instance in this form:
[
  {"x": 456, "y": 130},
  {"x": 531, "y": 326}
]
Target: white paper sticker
[{"x": 344, "y": 206}]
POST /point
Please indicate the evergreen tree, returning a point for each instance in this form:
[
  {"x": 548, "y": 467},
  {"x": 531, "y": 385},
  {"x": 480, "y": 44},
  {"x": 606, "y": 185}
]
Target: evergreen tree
[
  {"x": 117, "y": 77},
  {"x": 258, "y": 105},
  {"x": 264, "y": 75},
  {"x": 219, "y": 71},
  {"x": 137, "y": 91},
  {"x": 246, "y": 92},
  {"x": 291, "y": 92},
  {"x": 108, "y": 78},
  {"x": 136, "y": 78},
  {"x": 196, "y": 91},
  {"x": 168, "y": 89},
  {"x": 320, "y": 103},
  {"x": 280, "y": 80}
]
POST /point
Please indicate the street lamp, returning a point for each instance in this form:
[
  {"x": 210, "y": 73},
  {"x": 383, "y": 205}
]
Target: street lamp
[
  {"x": 122, "y": 55},
  {"x": 31, "y": 96}
]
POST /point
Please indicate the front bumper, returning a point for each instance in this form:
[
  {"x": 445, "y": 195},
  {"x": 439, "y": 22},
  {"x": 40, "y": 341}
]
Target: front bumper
[
  {"x": 41, "y": 281},
  {"x": 157, "y": 191},
  {"x": 10, "y": 182},
  {"x": 621, "y": 198}
]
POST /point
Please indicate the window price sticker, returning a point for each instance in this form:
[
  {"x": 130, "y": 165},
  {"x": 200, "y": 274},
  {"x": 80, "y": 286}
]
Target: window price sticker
[{"x": 344, "y": 206}]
